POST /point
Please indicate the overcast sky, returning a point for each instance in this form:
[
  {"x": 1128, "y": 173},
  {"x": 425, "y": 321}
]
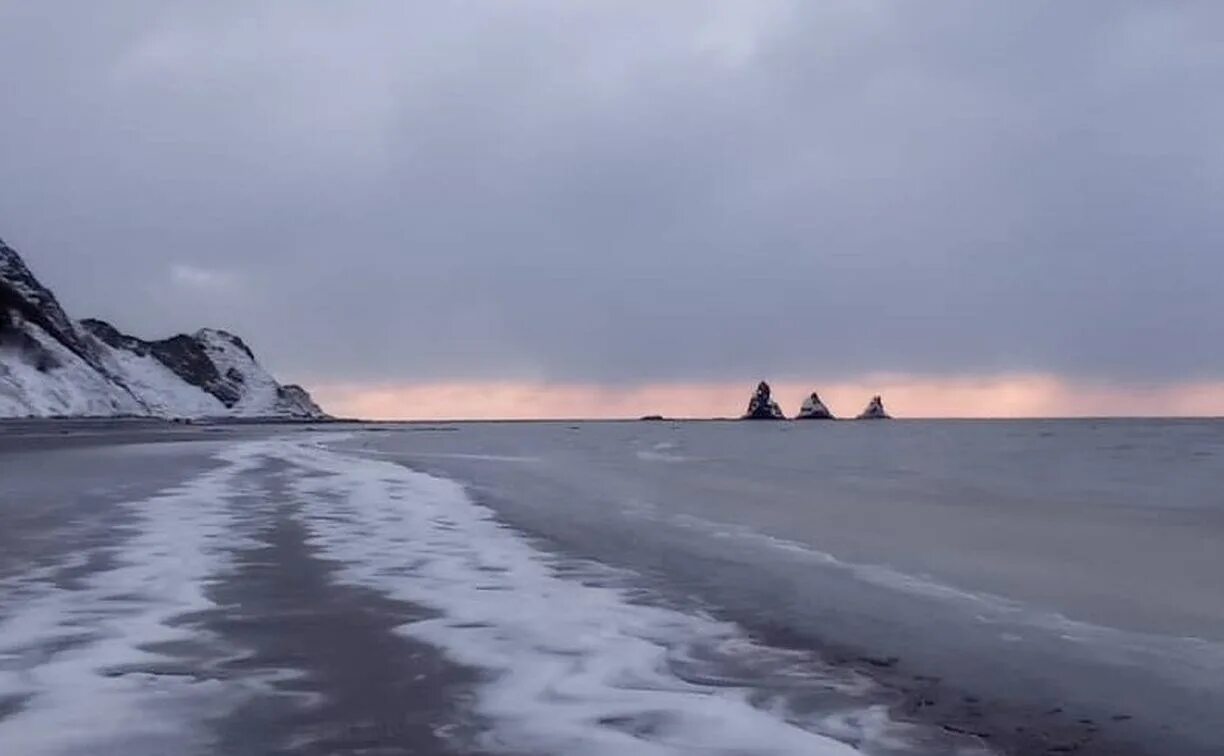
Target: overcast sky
[{"x": 619, "y": 193}]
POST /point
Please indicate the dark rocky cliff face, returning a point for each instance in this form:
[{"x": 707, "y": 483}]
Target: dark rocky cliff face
[
  {"x": 186, "y": 356},
  {"x": 108, "y": 334},
  {"x": 23, "y": 297}
]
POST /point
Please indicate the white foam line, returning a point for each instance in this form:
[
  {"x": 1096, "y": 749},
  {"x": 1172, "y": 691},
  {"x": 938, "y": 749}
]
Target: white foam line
[
  {"x": 573, "y": 667},
  {"x": 648, "y": 455},
  {"x": 76, "y": 654},
  {"x": 447, "y": 455}
]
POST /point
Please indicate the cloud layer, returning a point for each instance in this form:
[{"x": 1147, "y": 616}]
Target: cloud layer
[{"x": 613, "y": 194}]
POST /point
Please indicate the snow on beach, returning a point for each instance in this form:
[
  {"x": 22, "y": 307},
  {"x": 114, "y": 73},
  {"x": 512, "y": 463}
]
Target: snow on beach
[
  {"x": 575, "y": 665},
  {"x": 81, "y": 658},
  {"x": 573, "y": 657}
]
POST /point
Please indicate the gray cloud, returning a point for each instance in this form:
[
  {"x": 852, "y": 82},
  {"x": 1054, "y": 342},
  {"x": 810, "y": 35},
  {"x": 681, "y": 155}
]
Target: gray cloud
[{"x": 617, "y": 191}]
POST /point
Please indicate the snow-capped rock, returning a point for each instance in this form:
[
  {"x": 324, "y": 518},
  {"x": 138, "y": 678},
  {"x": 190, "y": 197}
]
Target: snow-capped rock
[
  {"x": 874, "y": 410},
  {"x": 814, "y": 409},
  {"x": 762, "y": 406},
  {"x": 51, "y": 365}
]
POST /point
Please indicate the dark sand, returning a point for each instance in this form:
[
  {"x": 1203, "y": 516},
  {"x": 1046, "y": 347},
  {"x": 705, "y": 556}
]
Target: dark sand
[{"x": 369, "y": 689}]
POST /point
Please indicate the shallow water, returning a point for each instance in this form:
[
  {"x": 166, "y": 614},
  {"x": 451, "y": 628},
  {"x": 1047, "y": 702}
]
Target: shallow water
[
  {"x": 882, "y": 588},
  {"x": 1036, "y": 566}
]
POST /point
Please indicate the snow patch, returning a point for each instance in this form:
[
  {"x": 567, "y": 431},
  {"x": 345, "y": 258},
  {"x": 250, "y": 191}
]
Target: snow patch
[
  {"x": 814, "y": 409},
  {"x": 66, "y": 384},
  {"x": 163, "y": 393}
]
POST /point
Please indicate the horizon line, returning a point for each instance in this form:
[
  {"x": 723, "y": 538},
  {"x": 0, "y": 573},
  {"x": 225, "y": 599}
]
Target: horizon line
[
  {"x": 805, "y": 421},
  {"x": 1006, "y": 396}
]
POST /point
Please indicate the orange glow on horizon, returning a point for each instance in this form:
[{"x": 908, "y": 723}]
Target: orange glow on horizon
[{"x": 905, "y": 396}]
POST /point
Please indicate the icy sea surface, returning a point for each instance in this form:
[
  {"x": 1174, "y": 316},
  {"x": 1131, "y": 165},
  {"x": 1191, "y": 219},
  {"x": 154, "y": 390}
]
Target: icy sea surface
[{"x": 615, "y": 588}]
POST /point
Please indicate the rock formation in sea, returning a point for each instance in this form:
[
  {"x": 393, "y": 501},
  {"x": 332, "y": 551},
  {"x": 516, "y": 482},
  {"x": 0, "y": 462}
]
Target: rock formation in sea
[
  {"x": 814, "y": 409},
  {"x": 762, "y": 406},
  {"x": 51, "y": 365},
  {"x": 874, "y": 410}
]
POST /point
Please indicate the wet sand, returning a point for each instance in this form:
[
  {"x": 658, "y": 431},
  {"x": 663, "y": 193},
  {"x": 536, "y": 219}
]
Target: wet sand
[{"x": 361, "y": 687}]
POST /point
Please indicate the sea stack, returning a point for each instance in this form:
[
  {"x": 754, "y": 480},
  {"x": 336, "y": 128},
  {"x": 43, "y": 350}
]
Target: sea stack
[
  {"x": 762, "y": 406},
  {"x": 874, "y": 411},
  {"x": 814, "y": 409}
]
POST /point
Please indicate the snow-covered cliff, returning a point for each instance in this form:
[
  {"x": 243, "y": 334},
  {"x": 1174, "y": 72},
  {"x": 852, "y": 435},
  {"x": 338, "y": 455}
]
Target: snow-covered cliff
[{"x": 51, "y": 365}]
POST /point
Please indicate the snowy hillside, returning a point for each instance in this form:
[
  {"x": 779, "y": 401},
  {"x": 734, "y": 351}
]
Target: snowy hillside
[
  {"x": 40, "y": 376},
  {"x": 53, "y": 366}
]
